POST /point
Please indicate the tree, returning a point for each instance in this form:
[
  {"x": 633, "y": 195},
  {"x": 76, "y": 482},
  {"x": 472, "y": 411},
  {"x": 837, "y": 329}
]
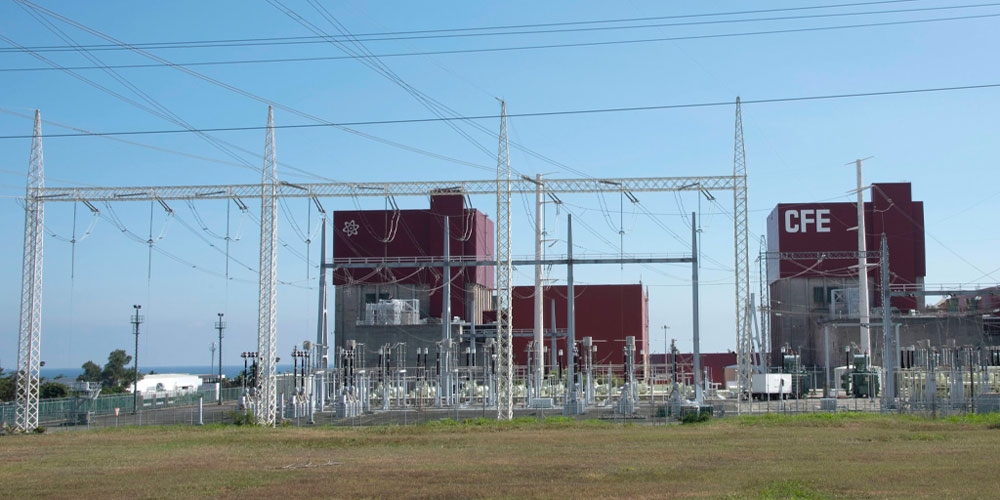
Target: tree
[
  {"x": 116, "y": 377},
  {"x": 7, "y": 384},
  {"x": 50, "y": 390},
  {"x": 91, "y": 372},
  {"x": 46, "y": 389}
]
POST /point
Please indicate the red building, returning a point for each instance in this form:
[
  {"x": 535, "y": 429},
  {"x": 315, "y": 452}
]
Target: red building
[
  {"x": 713, "y": 365},
  {"x": 606, "y": 313},
  {"x": 415, "y": 236},
  {"x": 806, "y": 292},
  {"x": 831, "y": 227}
]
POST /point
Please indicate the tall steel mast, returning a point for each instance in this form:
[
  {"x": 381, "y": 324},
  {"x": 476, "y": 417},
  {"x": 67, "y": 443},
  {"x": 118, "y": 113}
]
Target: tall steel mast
[
  {"x": 744, "y": 346},
  {"x": 30, "y": 332},
  {"x": 267, "y": 401},
  {"x": 505, "y": 361}
]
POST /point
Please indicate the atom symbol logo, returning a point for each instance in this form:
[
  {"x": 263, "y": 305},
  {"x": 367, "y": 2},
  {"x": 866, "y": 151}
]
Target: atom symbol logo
[{"x": 351, "y": 228}]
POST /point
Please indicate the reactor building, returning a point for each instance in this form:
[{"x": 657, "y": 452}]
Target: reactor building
[
  {"x": 400, "y": 298},
  {"x": 812, "y": 280}
]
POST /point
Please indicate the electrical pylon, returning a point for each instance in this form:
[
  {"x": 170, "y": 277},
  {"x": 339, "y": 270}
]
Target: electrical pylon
[
  {"x": 505, "y": 368},
  {"x": 267, "y": 401},
  {"x": 744, "y": 348},
  {"x": 30, "y": 333}
]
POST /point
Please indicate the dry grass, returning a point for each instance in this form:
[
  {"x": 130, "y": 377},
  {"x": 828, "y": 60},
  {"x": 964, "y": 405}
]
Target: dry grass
[{"x": 775, "y": 457}]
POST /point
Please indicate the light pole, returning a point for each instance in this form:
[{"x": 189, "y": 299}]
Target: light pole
[
  {"x": 221, "y": 325},
  {"x": 135, "y": 380}
]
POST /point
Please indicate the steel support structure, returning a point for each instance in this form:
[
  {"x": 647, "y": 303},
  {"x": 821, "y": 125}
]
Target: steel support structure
[
  {"x": 505, "y": 362},
  {"x": 266, "y": 397},
  {"x": 890, "y": 351},
  {"x": 539, "y": 323},
  {"x": 744, "y": 347},
  {"x": 765, "y": 301},
  {"x": 322, "y": 347},
  {"x": 270, "y": 189},
  {"x": 29, "y": 338},
  {"x": 382, "y": 189}
]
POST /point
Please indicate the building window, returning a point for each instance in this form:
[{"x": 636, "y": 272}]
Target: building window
[
  {"x": 371, "y": 298},
  {"x": 991, "y": 325},
  {"x": 820, "y": 295}
]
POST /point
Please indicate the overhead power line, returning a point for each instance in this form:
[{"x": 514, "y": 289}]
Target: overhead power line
[
  {"x": 538, "y": 114},
  {"x": 488, "y": 30},
  {"x": 517, "y": 48}
]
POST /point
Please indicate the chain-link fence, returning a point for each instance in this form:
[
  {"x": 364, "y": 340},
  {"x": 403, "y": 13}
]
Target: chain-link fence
[{"x": 159, "y": 408}]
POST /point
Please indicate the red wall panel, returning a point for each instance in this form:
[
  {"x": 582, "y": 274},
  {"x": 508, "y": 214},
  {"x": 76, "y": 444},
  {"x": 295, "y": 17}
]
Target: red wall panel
[
  {"x": 416, "y": 234},
  {"x": 607, "y": 313},
  {"x": 824, "y": 227}
]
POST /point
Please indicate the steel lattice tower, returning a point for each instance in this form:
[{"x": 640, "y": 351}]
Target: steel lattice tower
[
  {"x": 744, "y": 348},
  {"x": 30, "y": 332},
  {"x": 267, "y": 312},
  {"x": 505, "y": 368}
]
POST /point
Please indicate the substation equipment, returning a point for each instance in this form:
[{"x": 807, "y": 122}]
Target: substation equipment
[{"x": 498, "y": 371}]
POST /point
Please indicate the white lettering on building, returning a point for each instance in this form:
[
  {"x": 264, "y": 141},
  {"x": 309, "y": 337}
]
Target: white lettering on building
[{"x": 798, "y": 221}]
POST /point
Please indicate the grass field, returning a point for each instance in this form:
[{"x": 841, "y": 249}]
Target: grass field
[{"x": 817, "y": 456}]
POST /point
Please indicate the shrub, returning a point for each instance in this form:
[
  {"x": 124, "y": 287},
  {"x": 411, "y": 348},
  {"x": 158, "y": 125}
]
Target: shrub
[
  {"x": 243, "y": 417},
  {"x": 694, "y": 417}
]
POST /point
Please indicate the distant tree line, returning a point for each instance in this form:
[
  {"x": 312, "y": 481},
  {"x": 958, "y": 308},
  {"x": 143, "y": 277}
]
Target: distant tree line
[
  {"x": 46, "y": 388},
  {"x": 115, "y": 378}
]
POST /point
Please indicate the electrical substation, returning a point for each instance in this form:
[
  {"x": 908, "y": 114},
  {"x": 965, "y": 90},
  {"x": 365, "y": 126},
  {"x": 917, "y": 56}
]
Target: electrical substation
[{"x": 424, "y": 307}]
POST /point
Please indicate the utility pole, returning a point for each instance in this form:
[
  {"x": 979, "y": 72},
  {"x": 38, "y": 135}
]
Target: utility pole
[
  {"x": 863, "y": 315},
  {"x": 220, "y": 325},
  {"x": 696, "y": 341},
  {"x": 136, "y": 320},
  {"x": 446, "y": 319},
  {"x": 665, "y": 328},
  {"x": 539, "y": 355}
]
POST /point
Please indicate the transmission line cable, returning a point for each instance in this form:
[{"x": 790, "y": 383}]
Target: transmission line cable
[
  {"x": 234, "y": 89},
  {"x": 508, "y": 30},
  {"x": 526, "y": 47},
  {"x": 156, "y": 108},
  {"x": 540, "y": 114}
]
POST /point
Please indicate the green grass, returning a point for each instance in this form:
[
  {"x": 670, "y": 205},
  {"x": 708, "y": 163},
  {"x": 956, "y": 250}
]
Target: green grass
[{"x": 810, "y": 457}]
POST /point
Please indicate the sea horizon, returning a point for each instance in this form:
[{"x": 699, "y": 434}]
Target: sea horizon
[{"x": 228, "y": 371}]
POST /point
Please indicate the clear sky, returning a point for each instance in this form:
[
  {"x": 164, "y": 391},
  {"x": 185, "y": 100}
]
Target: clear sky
[{"x": 540, "y": 57}]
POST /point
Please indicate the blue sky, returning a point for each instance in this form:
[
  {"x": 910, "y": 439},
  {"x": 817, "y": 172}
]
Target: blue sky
[{"x": 944, "y": 142}]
